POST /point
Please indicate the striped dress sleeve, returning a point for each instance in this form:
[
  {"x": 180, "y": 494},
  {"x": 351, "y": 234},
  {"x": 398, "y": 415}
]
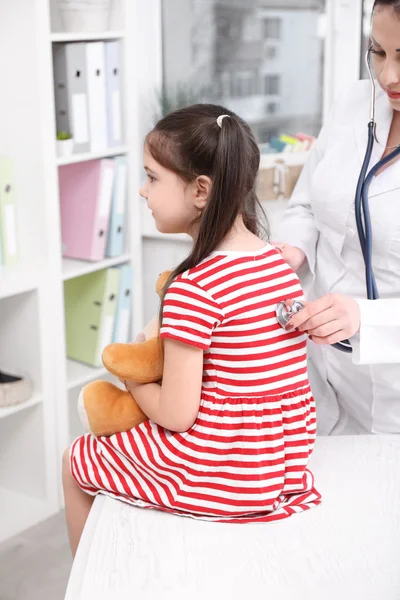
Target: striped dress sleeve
[{"x": 189, "y": 314}]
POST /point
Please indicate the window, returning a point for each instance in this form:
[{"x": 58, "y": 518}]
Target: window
[
  {"x": 272, "y": 84},
  {"x": 221, "y": 52},
  {"x": 244, "y": 84},
  {"x": 271, "y": 52},
  {"x": 272, "y": 108},
  {"x": 272, "y": 28}
]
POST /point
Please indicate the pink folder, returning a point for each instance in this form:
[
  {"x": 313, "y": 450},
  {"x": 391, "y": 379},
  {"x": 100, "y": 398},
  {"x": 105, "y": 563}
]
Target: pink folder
[{"x": 85, "y": 202}]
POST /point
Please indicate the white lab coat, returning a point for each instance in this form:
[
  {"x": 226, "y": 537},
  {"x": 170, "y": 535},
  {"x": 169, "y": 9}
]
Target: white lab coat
[{"x": 357, "y": 393}]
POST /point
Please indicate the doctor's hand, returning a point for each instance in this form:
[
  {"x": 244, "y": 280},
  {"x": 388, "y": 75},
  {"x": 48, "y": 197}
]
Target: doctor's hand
[
  {"x": 291, "y": 254},
  {"x": 330, "y": 319}
]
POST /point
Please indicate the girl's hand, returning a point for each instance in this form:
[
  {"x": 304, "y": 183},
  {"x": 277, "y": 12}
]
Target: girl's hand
[
  {"x": 130, "y": 386},
  {"x": 328, "y": 320},
  {"x": 140, "y": 338},
  {"x": 291, "y": 254}
]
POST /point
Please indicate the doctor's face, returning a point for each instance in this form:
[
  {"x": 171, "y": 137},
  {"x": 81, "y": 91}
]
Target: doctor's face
[{"x": 385, "y": 52}]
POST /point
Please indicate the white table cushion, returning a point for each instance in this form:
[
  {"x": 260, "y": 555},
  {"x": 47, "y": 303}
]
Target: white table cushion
[{"x": 348, "y": 548}]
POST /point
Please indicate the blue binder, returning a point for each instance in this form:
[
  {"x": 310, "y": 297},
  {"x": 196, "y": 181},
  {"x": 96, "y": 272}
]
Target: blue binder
[
  {"x": 122, "y": 325},
  {"x": 116, "y": 230},
  {"x": 113, "y": 92}
]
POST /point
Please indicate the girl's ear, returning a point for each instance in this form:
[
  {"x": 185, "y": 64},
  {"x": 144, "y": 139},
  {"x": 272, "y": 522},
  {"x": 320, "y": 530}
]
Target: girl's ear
[{"x": 202, "y": 191}]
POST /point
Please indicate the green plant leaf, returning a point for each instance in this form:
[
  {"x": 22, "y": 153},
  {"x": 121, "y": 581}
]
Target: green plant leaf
[{"x": 64, "y": 135}]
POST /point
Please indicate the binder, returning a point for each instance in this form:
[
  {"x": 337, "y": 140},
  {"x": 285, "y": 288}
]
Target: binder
[
  {"x": 8, "y": 213},
  {"x": 85, "y": 204},
  {"x": 114, "y": 93},
  {"x": 90, "y": 303},
  {"x": 95, "y": 65},
  {"x": 122, "y": 327},
  {"x": 307, "y": 139},
  {"x": 277, "y": 144},
  {"x": 70, "y": 89},
  {"x": 116, "y": 231}
]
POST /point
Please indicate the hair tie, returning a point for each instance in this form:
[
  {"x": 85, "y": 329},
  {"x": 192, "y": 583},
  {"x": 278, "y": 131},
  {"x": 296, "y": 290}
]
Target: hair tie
[{"x": 220, "y": 119}]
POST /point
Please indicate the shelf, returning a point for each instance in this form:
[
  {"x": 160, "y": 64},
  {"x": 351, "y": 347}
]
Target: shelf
[
  {"x": 20, "y": 512},
  {"x": 75, "y": 268},
  {"x": 18, "y": 280},
  {"x": 79, "y": 374},
  {"x": 7, "y": 411},
  {"x": 86, "y": 37},
  {"x": 288, "y": 158},
  {"x": 77, "y": 158}
]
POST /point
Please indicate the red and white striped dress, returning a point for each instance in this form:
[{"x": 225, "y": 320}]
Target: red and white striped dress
[{"x": 245, "y": 458}]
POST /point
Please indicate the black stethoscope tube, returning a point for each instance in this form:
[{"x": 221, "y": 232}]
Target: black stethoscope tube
[{"x": 363, "y": 219}]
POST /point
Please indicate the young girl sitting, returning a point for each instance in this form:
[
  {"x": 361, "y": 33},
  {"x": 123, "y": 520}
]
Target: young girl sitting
[{"x": 232, "y": 426}]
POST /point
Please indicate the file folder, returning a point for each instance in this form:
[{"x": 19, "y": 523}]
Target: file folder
[
  {"x": 122, "y": 327},
  {"x": 116, "y": 231},
  {"x": 70, "y": 89},
  {"x": 113, "y": 93},
  {"x": 85, "y": 204},
  {"x": 90, "y": 303},
  {"x": 95, "y": 65},
  {"x": 8, "y": 213}
]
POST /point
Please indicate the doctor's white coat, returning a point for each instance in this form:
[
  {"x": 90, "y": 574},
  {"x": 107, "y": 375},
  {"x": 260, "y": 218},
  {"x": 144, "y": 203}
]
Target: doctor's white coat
[{"x": 361, "y": 392}]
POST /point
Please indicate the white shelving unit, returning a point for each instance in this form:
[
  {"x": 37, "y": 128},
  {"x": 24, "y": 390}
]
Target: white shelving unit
[
  {"x": 33, "y": 435},
  {"x": 86, "y": 37},
  {"x": 75, "y": 268},
  {"x": 75, "y": 158}
]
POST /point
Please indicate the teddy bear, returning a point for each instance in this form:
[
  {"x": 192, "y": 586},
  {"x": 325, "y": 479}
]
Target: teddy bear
[{"x": 106, "y": 409}]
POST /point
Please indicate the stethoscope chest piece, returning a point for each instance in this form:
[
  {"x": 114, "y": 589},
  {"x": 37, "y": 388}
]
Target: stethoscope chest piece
[{"x": 284, "y": 312}]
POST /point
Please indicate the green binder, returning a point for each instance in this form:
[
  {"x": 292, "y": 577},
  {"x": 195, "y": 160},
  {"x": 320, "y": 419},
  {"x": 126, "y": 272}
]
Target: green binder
[
  {"x": 8, "y": 213},
  {"x": 90, "y": 303}
]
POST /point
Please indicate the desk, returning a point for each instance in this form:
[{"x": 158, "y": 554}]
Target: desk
[{"x": 348, "y": 548}]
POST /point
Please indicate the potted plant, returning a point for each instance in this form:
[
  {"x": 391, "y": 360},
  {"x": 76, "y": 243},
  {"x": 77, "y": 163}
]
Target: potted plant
[
  {"x": 184, "y": 94},
  {"x": 65, "y": 143},
  {"x": 85, "y": 15}
]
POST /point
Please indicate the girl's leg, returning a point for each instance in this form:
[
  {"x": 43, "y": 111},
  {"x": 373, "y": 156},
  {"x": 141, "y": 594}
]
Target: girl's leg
[{"x": 77, "y": 505}]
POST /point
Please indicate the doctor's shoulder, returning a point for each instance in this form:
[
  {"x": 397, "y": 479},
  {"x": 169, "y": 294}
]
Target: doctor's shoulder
[{"x": 351, "y": 100}]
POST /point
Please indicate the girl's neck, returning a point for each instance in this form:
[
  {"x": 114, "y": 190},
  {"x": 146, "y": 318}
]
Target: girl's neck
[{"x": 240, "y": 239}]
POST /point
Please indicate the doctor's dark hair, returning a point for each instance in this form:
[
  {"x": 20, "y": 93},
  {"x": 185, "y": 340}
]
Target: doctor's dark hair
[
  {"x": 190, "y": 143},
  {"x": 395, "y": 4}
]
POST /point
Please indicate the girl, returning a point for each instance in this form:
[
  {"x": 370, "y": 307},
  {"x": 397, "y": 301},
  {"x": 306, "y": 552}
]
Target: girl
[{"x": 232, "y": 426}]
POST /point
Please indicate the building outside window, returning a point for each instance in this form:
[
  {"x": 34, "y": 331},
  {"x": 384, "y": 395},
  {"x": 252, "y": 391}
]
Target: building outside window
[
  {"x": 239, "y": 52},
  {"x": 272, "y": 85},
  {"x": 271, "y": 52},
  {"x": 272, "y": 28},
  {"x": 272, "y": 108}
]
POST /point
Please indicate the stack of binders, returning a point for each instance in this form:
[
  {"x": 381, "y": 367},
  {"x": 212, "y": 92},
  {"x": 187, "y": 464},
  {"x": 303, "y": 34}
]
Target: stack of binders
[
  {"x": 97, "y": 312},
  {"x": 87, "y": 87},
  {"x": 8, "y": 217},
  {"x": 93, "y": 206}
]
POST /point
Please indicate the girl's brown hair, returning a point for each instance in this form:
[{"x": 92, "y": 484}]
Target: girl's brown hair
[
  {"x": 395, "y": 4},
  {"x": 190, "y": 143}
]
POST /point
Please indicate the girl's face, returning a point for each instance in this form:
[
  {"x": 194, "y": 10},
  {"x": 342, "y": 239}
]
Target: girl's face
[
  {"x": 385, "y": 51},
  {"x": 172, "y": 201}
]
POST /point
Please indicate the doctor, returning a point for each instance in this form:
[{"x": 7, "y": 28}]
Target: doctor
[{"x": 358, "y": 392}]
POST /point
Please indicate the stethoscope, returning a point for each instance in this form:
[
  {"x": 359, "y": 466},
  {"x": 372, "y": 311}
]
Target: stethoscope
[{"x": 363, "y": 219}]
